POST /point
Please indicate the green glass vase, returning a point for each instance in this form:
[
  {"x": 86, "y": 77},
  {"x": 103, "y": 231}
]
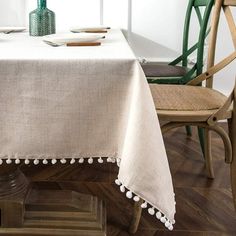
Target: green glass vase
[{"x": 42, "y": 20}]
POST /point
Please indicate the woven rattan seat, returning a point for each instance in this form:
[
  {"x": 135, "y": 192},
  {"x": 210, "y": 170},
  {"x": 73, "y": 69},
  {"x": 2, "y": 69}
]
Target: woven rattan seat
[
  {"x": 185, "y": 103},
  {"x": 163, "y": 70},
  {"x": 186, "y": 98}
]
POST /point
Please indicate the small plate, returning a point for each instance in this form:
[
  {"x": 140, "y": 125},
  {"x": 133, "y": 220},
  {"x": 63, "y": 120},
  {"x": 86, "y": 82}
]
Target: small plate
[
  {"x": 8, "y": 30},
  {"x": 89, "y": 29},
  {"x": 72, "y": 38}
]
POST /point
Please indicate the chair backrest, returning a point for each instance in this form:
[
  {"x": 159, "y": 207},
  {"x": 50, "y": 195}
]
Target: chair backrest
[
  {"x": 203, "y": 9},
  {"x": 226, "y": 5},
  {"x": 213, "y": 68}
]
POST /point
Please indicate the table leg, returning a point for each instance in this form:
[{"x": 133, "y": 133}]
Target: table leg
[
  {"x": 137, "y": 212},
  {"x": 27, "y": 210}
]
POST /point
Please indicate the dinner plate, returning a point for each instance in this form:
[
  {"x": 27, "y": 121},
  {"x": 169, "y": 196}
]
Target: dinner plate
[
  {"x": 7, "y": 30},
  {"x": 90, "y": 29},
  {"x": 72, "y": 38}
]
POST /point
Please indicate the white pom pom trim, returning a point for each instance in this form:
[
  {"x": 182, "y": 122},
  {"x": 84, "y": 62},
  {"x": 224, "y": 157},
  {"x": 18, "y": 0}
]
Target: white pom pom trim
[
  {"x": 129, "y": 194},
  {"x": 8, "y": 161},
  {"x": 36, "y": 162},
  {"x": 63, "y": 161},
  {"x": 158, "y": 215},
  {"x": 167, "y": 224},
  {"x": 16, "y": 160},
  {"x": 117, "y": 182},
  {"x": 136, "y": 198},
  {"x": 122, "y": 188},
  {"x": 151, "y": 210},
  {"x": 144, "y": 205}
]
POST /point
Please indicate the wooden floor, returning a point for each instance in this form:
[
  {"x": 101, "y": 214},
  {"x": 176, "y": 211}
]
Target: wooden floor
[{"x": 204, "y": 207}]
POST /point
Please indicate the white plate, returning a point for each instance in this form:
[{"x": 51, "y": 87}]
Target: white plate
[
  {"x": 83, "y": 29},
  {"x": 72, "y": 38},
  {"x": 11, "y": 29}
]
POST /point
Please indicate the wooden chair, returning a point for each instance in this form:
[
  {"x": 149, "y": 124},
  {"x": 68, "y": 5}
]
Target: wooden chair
[
  {"x": 185, "y": 105},
  {"x": 180, "y": 71}
]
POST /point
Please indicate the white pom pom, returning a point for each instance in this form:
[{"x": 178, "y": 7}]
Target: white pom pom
[
  {"x": 45, "y": 161},
  {"x": 100, "y": 160},
  {"x": 54, "y": 161},
  {"x": 170, "y": 227},
  {"x": 136, "y": 198},
  {"x": 36, "y": 161},
  {"x": 63, "y": 161},
  {"x": 72, "y": 161},
  {"x": 129, "y": 194},
  {"x": 90, "y": 160},
  {"x": 144, "y": 205},
  {"x": 8, "y": 161},
  {"x": 167, "y": 224},
  {"x": 151, "y": 211},
  {"x": 109, "y": 159},
  {"x": 117, "y": 182},
  {"x": 113, "y": 160},
  {"x": 163, "y": 219},
  {"x": 17, "y": 161},
  {"x": 122, "y": 188},
  {"x": 81, "y": 160},
  {"x": 118, "y": 160},
  {"x": 158, "y": 215},
  {"x": 1, "y": 161},
  {"x": 27, "y": 161}
]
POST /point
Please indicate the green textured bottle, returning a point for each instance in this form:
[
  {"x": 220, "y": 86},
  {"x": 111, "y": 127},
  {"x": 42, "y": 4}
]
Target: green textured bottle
[{"x": 42, "y": 20}]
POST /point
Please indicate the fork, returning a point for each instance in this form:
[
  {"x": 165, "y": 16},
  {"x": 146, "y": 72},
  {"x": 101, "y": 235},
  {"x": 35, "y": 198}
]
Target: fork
[{"x": 53, "y": 44}]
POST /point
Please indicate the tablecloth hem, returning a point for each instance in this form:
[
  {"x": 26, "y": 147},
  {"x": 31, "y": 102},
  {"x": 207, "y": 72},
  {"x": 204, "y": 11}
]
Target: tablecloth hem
[
  {"x": 152, "y": 210},
  {"x": 47, "y": 160}
]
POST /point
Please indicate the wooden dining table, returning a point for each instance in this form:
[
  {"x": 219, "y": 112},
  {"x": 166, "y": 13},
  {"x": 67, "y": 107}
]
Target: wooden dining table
[{"x": 76, "y": 104}]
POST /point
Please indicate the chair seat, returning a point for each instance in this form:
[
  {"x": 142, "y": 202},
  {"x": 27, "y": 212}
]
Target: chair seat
[
  {"x": 186, "y": 103},
  {"x": 151, "y": 70}
]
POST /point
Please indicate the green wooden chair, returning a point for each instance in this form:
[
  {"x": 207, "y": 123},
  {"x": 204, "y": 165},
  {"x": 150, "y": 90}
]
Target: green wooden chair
[{"x": 180, "y": 71}]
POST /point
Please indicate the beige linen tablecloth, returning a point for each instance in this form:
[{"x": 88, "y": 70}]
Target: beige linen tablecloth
[{"x": 76, "y": 104}]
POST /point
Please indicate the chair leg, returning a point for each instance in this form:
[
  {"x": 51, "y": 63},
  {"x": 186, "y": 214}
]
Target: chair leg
[
  {"x": 201, "y": 136},
  {"x": 232, "y": 135},
  {"x": 188, "y": 130},
  {"x": 207, "y": 153},
  {"x": 137, "y": 212}
]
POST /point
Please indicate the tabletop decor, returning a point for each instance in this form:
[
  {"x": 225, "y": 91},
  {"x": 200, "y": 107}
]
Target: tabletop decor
[{"x": 42, "y": 20}]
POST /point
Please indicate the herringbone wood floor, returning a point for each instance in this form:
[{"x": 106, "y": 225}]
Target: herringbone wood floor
[{"x": 204, "y": 207}]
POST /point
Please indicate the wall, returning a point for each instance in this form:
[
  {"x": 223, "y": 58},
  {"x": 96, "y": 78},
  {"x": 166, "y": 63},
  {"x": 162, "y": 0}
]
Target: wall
[
  {"x": 12, "y": 12},
  {"x": 156, "y": 25}
]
